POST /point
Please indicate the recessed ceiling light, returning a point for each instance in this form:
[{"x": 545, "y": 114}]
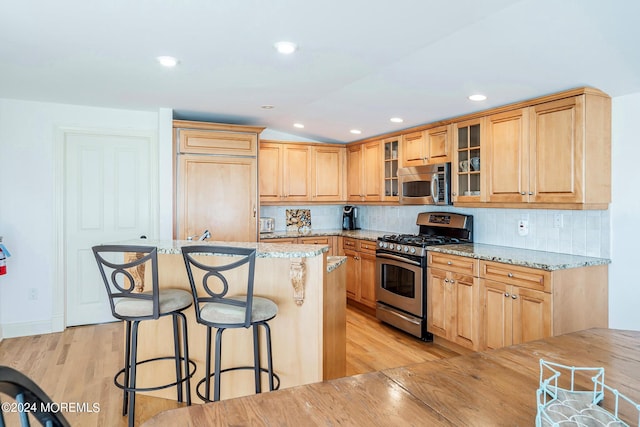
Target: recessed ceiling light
[
  {"x": 477, "y": 97},
  {"x": 298, "y": 125},
  {"x": 267, "y": 107},
  {"x": 167, "y": 61},
  {"x": 286, "y": 47},
  {"x": 396, "y": 119},
  {"x": 356, "y": 131}
]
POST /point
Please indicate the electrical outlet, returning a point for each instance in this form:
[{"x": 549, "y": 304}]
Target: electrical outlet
[
  {"x": 523, "y": 227},
  {"x": 558, "y": 220},
  {"x": 33, "y": 294}
]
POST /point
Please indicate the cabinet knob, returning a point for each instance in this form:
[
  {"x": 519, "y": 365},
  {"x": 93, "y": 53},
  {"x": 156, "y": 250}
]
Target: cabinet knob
[
  {"x": 514, "y": 296},
  {"x": 523, "y": 193},
  {"x": 506, "y": 294},
  {"x": 449, "y": 262},
  {"x": 454, "y": 194},
  {"x": 531, "y": 193},
  {"x": 510, "y": 275},
  {"x": 446, "y": 280}
]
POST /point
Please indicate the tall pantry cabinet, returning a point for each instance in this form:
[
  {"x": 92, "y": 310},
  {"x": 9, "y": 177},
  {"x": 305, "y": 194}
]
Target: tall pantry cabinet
[{"x": 216, "y": 180}]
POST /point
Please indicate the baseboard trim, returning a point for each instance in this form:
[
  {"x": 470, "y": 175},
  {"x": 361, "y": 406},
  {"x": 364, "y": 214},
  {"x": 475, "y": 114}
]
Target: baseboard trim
[{"x": 24, "y": 329}]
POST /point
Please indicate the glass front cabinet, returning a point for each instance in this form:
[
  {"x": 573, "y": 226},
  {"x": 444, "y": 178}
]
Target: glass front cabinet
[
  {"x": 391, "y": 147},
  {"x": 467, "y": 165}
]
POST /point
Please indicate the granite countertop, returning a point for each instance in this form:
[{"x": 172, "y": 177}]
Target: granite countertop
[
  {"x": 334, "y": 262},
  {"x": 371, "y": 235},
  {"x": 264, "y": 250},
  {"x": 549, "y": 261}
]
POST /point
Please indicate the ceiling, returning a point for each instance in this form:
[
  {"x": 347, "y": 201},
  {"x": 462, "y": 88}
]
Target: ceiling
[{"x": 359, "y": 62}]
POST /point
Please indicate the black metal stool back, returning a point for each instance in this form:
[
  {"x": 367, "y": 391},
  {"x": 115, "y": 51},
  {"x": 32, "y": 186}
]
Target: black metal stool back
[
  {"x": 122, "y": 279},
  {"x": 214, "y": 277},
  {"x": 216, "y": 308},
  {"x": 30, "y": 400},
  {"x": 124, "y": 269}
]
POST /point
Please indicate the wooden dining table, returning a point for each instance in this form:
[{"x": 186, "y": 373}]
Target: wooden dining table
[{"x": 490, "y": 388}]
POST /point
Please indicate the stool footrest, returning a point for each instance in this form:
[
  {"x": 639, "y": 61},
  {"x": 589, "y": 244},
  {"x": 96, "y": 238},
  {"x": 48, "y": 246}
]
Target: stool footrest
[
  {"x": 191, "y": 372},
  {"x": 237, "y": 368}
]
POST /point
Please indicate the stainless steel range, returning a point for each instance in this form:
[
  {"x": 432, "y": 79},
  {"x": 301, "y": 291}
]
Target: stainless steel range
[{"x": 401, "y": 269}]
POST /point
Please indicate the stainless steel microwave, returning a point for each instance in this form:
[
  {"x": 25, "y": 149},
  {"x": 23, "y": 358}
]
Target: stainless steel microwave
[{"x": 425, "y": 185}]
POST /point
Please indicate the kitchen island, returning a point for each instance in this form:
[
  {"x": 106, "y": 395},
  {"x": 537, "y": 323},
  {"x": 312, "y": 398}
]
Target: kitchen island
[{"x": 308, "y": 334}]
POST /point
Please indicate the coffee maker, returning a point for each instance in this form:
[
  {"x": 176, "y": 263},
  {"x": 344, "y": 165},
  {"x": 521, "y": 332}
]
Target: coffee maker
[{"x": 350, "y": 218}]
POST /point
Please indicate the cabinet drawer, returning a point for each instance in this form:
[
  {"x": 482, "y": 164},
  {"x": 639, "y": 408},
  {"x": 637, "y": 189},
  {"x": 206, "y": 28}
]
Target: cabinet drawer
[
  {"x": 516, "y": 275},
  {"x": 315, "y": 240},
  {"x": 349, "y": 244},
  {"x": 366, "y": 246},
  {"x": 217, "y": 142},
  {"x": 454, "y": 263}
]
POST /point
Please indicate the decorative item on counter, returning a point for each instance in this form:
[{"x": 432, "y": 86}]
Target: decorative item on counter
[
  {"x": 298, "y": 219},
  {"x": 561, "y": 400}
]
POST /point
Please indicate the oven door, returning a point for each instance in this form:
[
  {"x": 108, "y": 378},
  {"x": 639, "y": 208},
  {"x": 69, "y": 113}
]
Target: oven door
[{"x": 400, "y": 283}]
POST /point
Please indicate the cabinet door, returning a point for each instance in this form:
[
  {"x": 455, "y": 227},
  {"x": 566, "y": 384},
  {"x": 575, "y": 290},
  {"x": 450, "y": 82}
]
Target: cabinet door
[
  {"x": 508, "y": 162},
  {"x": 557, "y": 151},
  {"x": 354, "y": 173},
  {"x": 531, "y": 314},
  {"x": 372, "y": 171},
  {"x": 468, "y": 184},
  {"x": 368, "y": 279},
  {"x": 465, "y": 302},
  {"x": 328, "y": 180},
  {"x": 202, "y": 141},
  {"x": 496, "y": 314},
  {"x": 438, "y": 311},
  {"x": 438, "y": 144},
  {"x": 414, "y": 149},
  {"x": 353, "y": 273},
  {"x": 297, "y": 173},
  {"x": 218, "y": 194},
  {"x": 270, "y": 161}
]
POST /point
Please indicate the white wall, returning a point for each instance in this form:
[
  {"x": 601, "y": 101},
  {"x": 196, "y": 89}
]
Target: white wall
[
  {"x": 27, "y": 200},
  {"x": 624, "y": 285}
]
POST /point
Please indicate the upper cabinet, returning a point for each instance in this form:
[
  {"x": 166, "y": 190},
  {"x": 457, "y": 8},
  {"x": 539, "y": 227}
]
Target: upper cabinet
[
  {"x": 216, "y": 138},
  {"x": 365, "y": 172},
  {"x": 291, "y": 172},
  {"x": 426, "y": 147},
  {"x": 469, "y": 162},
  {"x": 555, "y": 153},
  {"x": 328, "y": 164},
  {"x": 390, "y": 151}
]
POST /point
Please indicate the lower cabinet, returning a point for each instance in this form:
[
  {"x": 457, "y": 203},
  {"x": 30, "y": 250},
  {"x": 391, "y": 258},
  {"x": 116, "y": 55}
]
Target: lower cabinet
[
  {"x": 513, "y": 314},
  {"x": 483, "y": 305},
  {"x": 521, "y": 304},
  {"x": 453, "y": 299},
  {"x": 361, "y": 271}
]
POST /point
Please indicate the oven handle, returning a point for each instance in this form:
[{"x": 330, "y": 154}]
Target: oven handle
[{"x": 398, "y": 258}]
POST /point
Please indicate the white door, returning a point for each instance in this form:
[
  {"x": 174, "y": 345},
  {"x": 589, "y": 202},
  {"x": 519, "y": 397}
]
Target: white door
[{"x": 108, "y": 198}]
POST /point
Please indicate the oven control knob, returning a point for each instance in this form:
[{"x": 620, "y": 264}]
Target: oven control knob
[
  {"x": 390, "y": 245},
  {"x": 413, "y": 250},
  {"x": 406, "y": 248},
  {"x": 380, "y": 244}
]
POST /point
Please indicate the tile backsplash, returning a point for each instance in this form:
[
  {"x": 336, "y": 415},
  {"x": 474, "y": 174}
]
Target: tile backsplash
[{"x": 582, "y": 232}]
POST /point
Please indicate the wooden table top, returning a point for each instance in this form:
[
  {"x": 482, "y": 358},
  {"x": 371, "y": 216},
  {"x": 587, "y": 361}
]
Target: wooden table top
[{"x": 488, "y": 388}]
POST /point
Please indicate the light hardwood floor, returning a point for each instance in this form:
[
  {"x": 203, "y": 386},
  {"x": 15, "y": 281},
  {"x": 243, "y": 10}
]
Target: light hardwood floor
[{"x": 78, "y": 364}]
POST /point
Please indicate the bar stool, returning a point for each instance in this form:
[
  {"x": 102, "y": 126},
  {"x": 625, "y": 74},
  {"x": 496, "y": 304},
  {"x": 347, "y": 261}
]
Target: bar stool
[
  {"x": 122, "y": 268},
  {"x": 221, "y": 311}
]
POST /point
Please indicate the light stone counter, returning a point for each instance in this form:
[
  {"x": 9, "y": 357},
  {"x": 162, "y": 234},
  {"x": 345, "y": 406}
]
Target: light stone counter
[
  {"x": 264, "y": 250},
  {"x": 334, "y": 262},
  {"x": 549, "y": 261}
]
